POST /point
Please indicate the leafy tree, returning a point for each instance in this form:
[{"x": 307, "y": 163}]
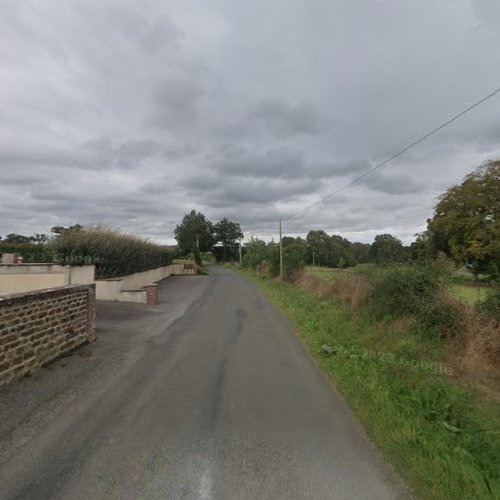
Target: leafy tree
[
  {"x": 361, "y": 252},
  {"x": 465, "y": 224},
  {"x": 422, "y": 248},
  {"x": 14, "y": 238},
  {"x": 39, "y": 238},
  {"x": 256, "y": 253},
  {"x": 195, "y": 231},
  {"x": 58, "y": 230},
  {"x": 387, "y": 249},
  {"x": 341, "y": 252},
  {"x": 228, "y": 233},
  {"x": 318, "y": 243}
]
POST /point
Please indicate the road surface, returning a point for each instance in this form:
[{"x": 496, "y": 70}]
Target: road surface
[{"x": 209, "y": 395}]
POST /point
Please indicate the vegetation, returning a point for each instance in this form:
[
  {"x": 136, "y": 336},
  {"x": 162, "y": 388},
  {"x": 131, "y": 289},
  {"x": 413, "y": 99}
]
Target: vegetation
[
  {"x": 29, "y": 252},
  {"x": 197, "y": 234},
  {"x": 442, "y": 435},
  {"x": 465, "y": 223},
  {"x": 194, "y": 232},
  {"x": 114, "y": 253}
]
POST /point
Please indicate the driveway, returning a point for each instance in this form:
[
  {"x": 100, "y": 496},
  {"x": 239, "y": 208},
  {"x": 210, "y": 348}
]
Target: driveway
[{"x": 207, "y": 396}]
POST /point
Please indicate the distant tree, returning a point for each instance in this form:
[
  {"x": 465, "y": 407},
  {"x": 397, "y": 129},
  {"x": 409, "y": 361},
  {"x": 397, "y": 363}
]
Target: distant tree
[
  {"x": 195, "y": 231},
  {"x": 466, "y": 222},
  {"x": 14, "y": 238},
  {"x": 387, "y": 249},
  {"x": 361, "y": 252},
  {"x": 58, "y": 230},
  {"x": 422, "y": 248},
  {"x": 228, "y": 234},
  {"x": 40, "y": 238},
  {"x": 341, "y": 252},
  {"x": 318, "y": 244},
  {"x": 256, "y": 253}
]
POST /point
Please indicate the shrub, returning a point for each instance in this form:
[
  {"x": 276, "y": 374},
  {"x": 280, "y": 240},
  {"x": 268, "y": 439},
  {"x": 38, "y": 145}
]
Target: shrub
[
  {"x": 114, "y": 253},
  {"x": 30, "y": 253},
  {"x": 293, "y": 260},
  {"x": 491, "y": 305},
  {"x": 405, "y": 289},
  {"x": 443, "y": 316}
]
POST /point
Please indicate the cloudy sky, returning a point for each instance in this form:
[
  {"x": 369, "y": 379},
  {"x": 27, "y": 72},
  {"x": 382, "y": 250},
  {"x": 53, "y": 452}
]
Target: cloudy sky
[{"x": 133, "y": 113}]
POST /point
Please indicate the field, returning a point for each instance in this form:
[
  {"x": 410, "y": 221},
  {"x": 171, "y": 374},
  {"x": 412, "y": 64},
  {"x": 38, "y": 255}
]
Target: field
[
  {"x": 439, "y": 430},
  {"x": 463, "y": 291}
]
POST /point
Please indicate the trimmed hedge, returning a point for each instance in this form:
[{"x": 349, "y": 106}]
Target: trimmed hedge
[{"x": 114, "y": 253}]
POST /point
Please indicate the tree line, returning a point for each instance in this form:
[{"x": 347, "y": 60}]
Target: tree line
[{"x": 465, "y": 227}]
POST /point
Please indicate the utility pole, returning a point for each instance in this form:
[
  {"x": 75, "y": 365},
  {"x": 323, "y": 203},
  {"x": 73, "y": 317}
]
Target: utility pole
[
  {"x": 313, "y": 259},
  {"x": 281, "y": 254}
]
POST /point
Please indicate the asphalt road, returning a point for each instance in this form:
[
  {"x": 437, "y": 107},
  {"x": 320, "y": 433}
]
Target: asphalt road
[{"x": 209, "y": 395}]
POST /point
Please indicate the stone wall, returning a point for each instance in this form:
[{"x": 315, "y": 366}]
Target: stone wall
[{"x": 37, "y": 327}]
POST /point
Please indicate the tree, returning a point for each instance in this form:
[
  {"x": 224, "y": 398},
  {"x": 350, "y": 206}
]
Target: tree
[
  {"x": 39, "y": 238},
  {"x": 465, "y": 224},
  {"x": 341, "y": 251},
  {"x": 421, "y": 248},
  {"x": 195, "y": 231},
  {"x": 14, "y": 238},
  {"x": 361, "y": 252},
  {"x": 256, "y": 253},
  {"x": 58, "y": 230},
  {"x": 318, "y": 244},
  {"x": 228, "y": 234},
  {"x": 387, "y": 249}
]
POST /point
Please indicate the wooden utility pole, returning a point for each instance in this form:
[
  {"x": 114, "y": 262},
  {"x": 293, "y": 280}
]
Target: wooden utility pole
[
  {"x": 241, "y": 259},
  {"x": 281, "y": 254}
]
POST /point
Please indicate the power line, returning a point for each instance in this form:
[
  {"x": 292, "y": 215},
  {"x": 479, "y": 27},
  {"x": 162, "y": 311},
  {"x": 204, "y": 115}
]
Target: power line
[{"x": 394, "y": 156}]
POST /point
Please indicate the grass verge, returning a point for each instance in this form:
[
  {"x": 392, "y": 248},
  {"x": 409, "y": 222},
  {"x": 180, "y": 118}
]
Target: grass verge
[{"x": 440, "y": 434}]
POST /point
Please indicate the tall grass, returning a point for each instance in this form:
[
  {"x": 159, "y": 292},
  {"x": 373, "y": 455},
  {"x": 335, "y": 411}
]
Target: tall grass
[
  {"x": 113, "y": 252},
  {"x": 442, "y": 435}
]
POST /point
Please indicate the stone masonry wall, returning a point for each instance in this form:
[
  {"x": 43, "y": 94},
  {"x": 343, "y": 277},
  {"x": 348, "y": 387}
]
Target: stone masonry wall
[{"x": 37, "y": 327}]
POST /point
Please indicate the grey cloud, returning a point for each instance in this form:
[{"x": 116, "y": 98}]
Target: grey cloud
[
  {"x": 284, "y": 119},
  {"x": 133, "y": 113},
  {"x": 176, "y": 103},
  {"x": 243, "y": 162},
  {"x": 393, "y": 184}
]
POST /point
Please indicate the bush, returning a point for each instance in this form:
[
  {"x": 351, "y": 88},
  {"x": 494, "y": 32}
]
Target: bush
[
  {"x": 491, "y": 305},
  {"x": 30, "y": 253},
  {"x": 293, "y": 260},
  {"x": 405, "y": 289},
  {"x": 114, "y": 253}
]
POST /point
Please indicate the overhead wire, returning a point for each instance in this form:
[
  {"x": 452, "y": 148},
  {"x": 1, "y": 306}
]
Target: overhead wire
[{"x": 396, "y": 155}]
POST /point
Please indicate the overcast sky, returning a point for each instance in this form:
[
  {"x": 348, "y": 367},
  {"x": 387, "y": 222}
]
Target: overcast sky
[{"x": 132, "y": 113}]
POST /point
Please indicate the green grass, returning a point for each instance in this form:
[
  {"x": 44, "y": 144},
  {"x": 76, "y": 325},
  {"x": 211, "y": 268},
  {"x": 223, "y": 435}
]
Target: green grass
[
  {"x": 468, "y": 293},
  {"x": 322, "y": 272},
  {"x": 442, "y": 437}
]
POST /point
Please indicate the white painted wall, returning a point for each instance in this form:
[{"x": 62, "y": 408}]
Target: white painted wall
[
  {"x": 17, "y": 278},
  {"x": 82, "y": 275}
]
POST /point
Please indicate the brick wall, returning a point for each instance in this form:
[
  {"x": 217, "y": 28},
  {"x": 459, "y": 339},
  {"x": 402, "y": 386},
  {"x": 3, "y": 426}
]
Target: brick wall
[
  {"x": 37, "y": 327},
  {"x": 151, "y": 294}
]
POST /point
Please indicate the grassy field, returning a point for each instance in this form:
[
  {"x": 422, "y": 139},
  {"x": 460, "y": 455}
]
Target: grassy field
[
  {"x": 439, "y": 433},
  {"x": 468, "y": 293},
  {"x": 463, "y": 291}
]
